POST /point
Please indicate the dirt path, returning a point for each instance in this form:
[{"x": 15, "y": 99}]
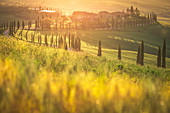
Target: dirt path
[{"x": 6, "y": 33}]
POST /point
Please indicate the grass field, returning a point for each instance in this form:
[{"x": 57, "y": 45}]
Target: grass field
[
  {"x": 129, "y": 39},
  {"x": 42, "y": 79}
]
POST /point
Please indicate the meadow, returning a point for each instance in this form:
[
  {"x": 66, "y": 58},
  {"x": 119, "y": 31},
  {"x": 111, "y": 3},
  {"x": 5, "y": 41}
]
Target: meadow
[{"x": 42, "y": 79}]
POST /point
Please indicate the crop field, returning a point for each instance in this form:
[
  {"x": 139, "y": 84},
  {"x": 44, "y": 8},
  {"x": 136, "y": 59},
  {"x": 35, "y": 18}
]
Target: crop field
[
  {"x": 43, "y": 79},
  {"x": 58, "y": 69}
]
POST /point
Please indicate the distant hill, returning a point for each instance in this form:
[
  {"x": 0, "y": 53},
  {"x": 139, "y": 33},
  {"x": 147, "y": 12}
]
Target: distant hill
[{"x": 160, "y": 7}]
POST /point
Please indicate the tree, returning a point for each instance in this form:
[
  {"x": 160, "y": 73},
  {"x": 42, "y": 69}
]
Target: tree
[
  {"x": 14, "y": 25},
  {"x": 52, "y": 40},
  {"x": 56, "y": 41},
  {"x": 46, "y": 43},
  {"x": 99, "y": 49},
  {"x": 40, "y": 39},
  {"x": 65, "y": 46},
  {"x": 18, "y": 25},
  {"x": 142, "y": 54},
  {"x": 119, "y": 53},
  {"x": 69, "y": 39},
  {"x": 138, "y": 56},
  {"x": 159, "y": 58},
  {"x": 72, "y": 41},
  {"x": 4, "y": 25},
  {"x": 164, "y": 55},
  {"x": 79, "y": 43},
  {"x": 36, "y": 24},
  {"x": 23, "y": 25}
]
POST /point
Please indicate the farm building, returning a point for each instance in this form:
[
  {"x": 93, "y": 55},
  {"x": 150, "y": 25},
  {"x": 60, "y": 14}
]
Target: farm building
[{"x": 46, "y": 23}]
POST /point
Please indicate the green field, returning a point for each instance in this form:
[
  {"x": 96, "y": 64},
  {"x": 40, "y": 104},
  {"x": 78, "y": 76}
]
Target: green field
[
  {"x": 129, "y": 39},
  {"x": 42, "y": 79}
]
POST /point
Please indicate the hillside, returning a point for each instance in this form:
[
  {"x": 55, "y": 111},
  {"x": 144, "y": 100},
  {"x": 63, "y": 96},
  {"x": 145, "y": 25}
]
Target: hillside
[{"x": 42, "y": 79}]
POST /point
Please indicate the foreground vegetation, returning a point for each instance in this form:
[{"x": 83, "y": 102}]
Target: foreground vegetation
[{"x": 42, "y": 79}]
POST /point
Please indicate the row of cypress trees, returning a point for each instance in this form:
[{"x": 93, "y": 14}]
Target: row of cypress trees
[
  {"x": 140, "y": 54},
  {"x": 59, "y": 42}
]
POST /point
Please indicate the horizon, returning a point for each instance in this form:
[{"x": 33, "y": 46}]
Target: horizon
[{"x": 161, "y": 8}]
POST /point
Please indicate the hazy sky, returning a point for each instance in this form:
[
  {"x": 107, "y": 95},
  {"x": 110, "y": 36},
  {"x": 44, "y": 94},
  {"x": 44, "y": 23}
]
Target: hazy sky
[{"x": 161, "y": 7}]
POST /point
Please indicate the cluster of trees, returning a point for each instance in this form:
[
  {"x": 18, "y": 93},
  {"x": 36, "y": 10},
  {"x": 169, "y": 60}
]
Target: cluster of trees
[{"x": 140, "y": 54}]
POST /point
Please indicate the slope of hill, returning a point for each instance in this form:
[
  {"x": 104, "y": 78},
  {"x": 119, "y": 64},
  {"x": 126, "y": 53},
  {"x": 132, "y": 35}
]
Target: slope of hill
[{"x": 41, "y": 79}]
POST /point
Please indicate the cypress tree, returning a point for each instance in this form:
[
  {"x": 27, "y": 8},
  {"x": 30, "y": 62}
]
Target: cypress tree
[
  {"x": 23, "y": 25},
  {"x": 56, "y": 41},
  {"x": 26, "y": 36},
  {"x": 79, "y": 47},
  {"x": 159, "y": 57},
  {"x": 11, "y": 28},
  {"x": 66, "y": 46},
  {"x": 142, "y": 54},
  {"x": 164, "y": 55},
  {"x": 138, "y": 56},
  {"x": 69, "y": 39},
  {"x": 52, "y": 40},
  {"x": 61, "y": 42},
  {"x": 40, "y": 39},
  {"x": 119, "y": 53},
  {"x": 14, "y": 25},
  {"x": 36, "y": 24},
  {"x": 46, "y": 42},
  {"x": 4, "y": 25},
  {"x": 72, "y": 41},
  {"x": 18, "y": 25},
  {"x": 99, "y": 49},
  {"x": 75, "y": 46}
]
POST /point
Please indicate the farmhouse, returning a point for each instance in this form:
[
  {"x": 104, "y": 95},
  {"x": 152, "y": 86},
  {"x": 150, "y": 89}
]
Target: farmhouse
[
  {"x": 46, "y": 23},
  {"x": 82, "y": 15}
]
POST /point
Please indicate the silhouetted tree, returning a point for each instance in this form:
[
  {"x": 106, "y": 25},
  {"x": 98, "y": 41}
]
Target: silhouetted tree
[
  {"x": 65, "y": 46},
  {"x": 52, "y": 40},
  {"x": 56, "y": 41},
  {"x": 23, "y": 25},
  {"x": 36, "y": 24},
  {"x": 26, "y": 36},
  {"x": 142, "y": 54},
  {"x": 14, "y": 25},
  {"x": 99, "y": 49},
  {"x": 72, "y": 41},
  {"x": 164, "y": 54},
  {"x": 18, "y": 25},
  {"x": 69, "y": 39},
  {"x": 79, "y": 43},
  {"x": 46, "y": 42},
  {"x": 159, "y": 57},
  {"x": 138, "y": 56},
  {"x": 119, "y": 53},
  {"x": 40, "y": 39},
  {"x": 4, "y": 25}
]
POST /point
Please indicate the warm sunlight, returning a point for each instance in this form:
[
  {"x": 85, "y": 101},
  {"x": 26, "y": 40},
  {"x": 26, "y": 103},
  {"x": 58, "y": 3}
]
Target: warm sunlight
[{"x": 84, "y": 56}]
